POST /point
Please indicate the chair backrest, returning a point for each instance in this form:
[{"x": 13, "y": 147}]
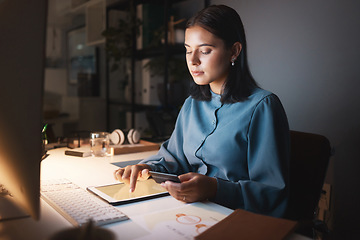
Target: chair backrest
[{"x": 310, "y": 154}]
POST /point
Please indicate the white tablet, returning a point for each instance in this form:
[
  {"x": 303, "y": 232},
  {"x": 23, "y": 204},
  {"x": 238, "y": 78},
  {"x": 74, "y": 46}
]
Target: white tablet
[{"x": 119, "y": 193}]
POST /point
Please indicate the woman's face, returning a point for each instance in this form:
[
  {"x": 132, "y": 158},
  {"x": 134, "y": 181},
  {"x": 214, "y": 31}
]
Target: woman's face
[{"x": 207, "y": 58}]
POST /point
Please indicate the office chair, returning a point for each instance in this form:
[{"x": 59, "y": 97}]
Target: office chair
[{"x": 310, "y": 154}]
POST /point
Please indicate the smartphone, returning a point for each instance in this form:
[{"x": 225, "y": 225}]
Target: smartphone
[{"x": 160, "y": 177}]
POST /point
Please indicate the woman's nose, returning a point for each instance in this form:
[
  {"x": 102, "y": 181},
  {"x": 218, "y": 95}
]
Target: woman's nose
[{"x": 194, "y": 59}]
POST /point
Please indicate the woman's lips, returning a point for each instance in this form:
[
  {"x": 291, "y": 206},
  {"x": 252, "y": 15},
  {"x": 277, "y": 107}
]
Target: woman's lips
[{"x": 197, "y": 73}]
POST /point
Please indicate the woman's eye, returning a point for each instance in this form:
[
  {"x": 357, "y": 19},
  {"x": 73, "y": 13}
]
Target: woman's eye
[
  {"x": 187, "y": 51},
  {"x": 205, "y": 52}
]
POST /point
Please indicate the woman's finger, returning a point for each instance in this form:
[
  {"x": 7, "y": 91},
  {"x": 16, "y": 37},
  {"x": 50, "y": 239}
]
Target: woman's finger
[{"x": 118, "y": 174}]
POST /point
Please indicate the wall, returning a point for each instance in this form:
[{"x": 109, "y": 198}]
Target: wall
[{"x": 308, "y": 53}]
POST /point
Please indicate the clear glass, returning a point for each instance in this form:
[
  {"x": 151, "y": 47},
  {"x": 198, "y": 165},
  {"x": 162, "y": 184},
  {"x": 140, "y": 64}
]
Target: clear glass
[{"x": 99, "y": 144}]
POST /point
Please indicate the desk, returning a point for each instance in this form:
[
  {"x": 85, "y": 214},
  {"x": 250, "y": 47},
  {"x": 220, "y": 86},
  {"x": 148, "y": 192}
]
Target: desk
[{"x": 92, "y": 171}]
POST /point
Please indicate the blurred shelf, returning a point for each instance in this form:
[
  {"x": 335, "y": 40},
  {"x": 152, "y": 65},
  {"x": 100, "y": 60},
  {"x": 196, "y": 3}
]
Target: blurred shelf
[{"x": 160, "y": 51}]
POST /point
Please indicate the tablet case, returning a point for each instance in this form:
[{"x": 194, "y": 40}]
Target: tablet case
[{"x": 242, "y": 224}]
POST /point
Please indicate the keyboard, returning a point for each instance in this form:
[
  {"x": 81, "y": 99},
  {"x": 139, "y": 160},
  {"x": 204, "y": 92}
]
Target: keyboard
[{"x": 77, "y": 205}]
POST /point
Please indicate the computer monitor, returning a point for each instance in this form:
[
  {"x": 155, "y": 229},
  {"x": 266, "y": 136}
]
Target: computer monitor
[{"x": 22, "y": 53}]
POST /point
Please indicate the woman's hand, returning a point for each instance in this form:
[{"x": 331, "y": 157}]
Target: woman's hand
[
  {"x": 130, "y": 174},
  {"x": 194, "y": 187}
]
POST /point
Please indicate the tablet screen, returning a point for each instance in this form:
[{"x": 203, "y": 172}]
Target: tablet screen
[{"x": 119, "y": 193}]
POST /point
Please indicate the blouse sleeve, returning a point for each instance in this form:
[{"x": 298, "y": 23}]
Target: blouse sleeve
[
  {"x": 266, "y": 189},
  {"x": 170, "y": 158}
]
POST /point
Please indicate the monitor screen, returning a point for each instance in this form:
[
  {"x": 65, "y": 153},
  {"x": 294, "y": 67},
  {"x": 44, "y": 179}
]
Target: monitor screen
[{"x": 22, "y": 52}]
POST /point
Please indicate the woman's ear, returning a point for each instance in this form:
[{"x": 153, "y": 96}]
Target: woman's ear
[{"x": 235, "y": 50}]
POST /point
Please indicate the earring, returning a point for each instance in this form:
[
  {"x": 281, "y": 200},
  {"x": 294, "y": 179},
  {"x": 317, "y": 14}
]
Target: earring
[{"x": 233, "y": 61}]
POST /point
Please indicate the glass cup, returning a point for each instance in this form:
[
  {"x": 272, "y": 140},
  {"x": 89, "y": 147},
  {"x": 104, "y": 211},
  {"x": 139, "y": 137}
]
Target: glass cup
[{"x": 99, "y": 144}]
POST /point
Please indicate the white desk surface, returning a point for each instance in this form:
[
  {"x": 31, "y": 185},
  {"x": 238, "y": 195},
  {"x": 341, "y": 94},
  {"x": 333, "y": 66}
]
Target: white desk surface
[{"x": 92, "y": 171}]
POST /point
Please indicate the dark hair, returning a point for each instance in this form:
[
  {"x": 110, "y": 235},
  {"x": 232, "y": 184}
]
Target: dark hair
[{"x": 225, "y": 23}]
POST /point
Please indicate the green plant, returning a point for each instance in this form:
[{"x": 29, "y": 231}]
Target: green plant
[
  {"x": 119, "y": 48},
  {"x": 119, "y": 40},
  {"x": 177, "y": 69}
]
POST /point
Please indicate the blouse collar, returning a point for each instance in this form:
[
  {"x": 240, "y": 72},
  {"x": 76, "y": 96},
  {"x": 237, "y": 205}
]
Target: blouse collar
[{"x": 215, "y": 98}]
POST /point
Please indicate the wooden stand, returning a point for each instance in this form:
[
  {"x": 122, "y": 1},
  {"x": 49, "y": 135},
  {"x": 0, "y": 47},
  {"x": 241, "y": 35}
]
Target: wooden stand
[{"x": 143, "y": 146}]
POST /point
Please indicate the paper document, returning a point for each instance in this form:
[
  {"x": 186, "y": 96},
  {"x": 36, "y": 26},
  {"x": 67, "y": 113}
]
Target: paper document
[{"x": 181, "y": 223}]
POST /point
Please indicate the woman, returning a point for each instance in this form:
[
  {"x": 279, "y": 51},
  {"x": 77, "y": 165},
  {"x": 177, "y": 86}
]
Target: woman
[{"x": 230, "y": 144}]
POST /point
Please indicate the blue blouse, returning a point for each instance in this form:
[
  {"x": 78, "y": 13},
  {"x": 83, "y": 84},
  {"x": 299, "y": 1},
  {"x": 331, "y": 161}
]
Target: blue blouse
[{"x": 244, "y": 145}]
